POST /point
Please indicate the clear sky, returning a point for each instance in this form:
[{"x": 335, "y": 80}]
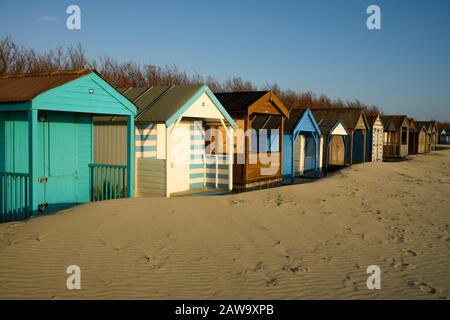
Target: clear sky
[{"x": 318, "y": 45}]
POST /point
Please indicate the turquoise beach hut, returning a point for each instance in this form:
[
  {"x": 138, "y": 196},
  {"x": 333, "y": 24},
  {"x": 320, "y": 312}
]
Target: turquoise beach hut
[
  {"x": 46, "y": 142},
  {"x": 301, "y": 145}
]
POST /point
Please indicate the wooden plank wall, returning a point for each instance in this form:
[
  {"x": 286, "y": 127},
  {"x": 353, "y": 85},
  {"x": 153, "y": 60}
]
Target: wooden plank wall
[{"x": 151, "y": 177}]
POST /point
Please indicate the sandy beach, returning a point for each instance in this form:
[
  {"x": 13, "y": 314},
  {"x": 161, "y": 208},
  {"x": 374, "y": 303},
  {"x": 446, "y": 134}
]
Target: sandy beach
[{"x": 307, "y": 241}]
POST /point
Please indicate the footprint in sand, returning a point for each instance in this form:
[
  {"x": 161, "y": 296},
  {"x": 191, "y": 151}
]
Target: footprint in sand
[
  {"x": 296, "y": 268},
  {"x": 424, "y": 287},
  {"x": 409, "y": 253},
  {"x": 399, "y": 264},
  {"x": 397, "y": 235},
  {"x": 236, "y": 202},
  {"x": 271, "y": 282},
  {"x": 349, "y": 281}
]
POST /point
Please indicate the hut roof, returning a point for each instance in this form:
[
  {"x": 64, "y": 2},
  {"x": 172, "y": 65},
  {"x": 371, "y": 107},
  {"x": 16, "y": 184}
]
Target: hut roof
[
  {"x": 162, "y": 103},
  {"x": 239, "y": 101},
  {"x": 371, "y": 118},
  {"x": 348, "y": 116},
  {"x": 295, "y": 116},
  {"x": 427, "y": 124},
  {"x": 398, "y": 120},
  {"x": 328, "y": 125},
  {"x": 25, "y": 87}
]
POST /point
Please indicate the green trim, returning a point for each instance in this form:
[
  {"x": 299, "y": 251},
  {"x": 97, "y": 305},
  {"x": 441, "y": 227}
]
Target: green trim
[
  {"x": 194, "y": 98},
  {"x": 15, "y": 106},
  {"x": 130, "y": 156},
  {"x": 40, "y": 102}
]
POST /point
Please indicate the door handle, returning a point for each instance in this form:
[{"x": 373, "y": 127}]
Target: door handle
[{"x": 43, "y": 180}]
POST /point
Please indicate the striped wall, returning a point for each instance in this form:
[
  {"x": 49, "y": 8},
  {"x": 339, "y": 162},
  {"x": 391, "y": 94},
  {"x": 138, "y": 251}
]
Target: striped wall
[
  {"x": 145, "y": 140},
  {"x": 216, "y": 169},
  {"x": 196, "y": 166}
]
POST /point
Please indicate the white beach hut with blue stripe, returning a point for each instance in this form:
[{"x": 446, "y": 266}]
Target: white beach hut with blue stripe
[{"x": 172, "y": 137}]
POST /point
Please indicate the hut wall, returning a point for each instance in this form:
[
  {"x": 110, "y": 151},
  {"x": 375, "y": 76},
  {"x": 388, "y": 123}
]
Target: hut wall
[
  {"x": 337, "y": 151},
  {"x": 377, "y": 142},
  {"x": 151, "y": 177},
  {"x": 358, "y": 146},
  {"x": 110, "y": 144},
  {"x": 14, "y": 142},
  {"x": 321, "y": 146},
  {"x": 422, "y": 142},
  {"x": 299, "y": 155}
]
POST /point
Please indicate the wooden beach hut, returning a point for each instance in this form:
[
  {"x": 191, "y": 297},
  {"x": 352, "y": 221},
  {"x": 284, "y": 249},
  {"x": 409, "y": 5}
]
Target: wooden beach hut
[
  {"x": 258, "y": 157},
  {"x": 374, "y": 152},
  {"x": 432, "y": 134},
  {"x": 46, "y": 142},
  {"x": 301, "y": 147},
  {"x": 420, "y": 138},
  {"x": 396, "y": 136},
  {"x": 355, "y": 122},
  {"x": 174, "y": 129},
  {"x": 333, "y": 142},
  {"x": 412, "y": 149}
]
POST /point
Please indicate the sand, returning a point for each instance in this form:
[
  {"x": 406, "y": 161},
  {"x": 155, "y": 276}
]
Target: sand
[{"x": 307, "y": 241}]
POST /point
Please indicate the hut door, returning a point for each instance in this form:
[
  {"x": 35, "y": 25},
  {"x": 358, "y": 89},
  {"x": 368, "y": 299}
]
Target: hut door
[
  {"x": 309, "y": 154},
  {"x": 179, "y": 158},
  {"x": 337, "y": 151},
  {"x": 299, "y": 155},
  {"x": 57, "y": 175},
  {"x": 358, "y": 146}
]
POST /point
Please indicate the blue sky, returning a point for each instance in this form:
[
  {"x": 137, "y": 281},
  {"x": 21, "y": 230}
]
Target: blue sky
[{"x": 318, "y": 45}]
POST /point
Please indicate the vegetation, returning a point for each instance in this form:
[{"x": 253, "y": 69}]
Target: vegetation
[{"x": 16, "y": 59}]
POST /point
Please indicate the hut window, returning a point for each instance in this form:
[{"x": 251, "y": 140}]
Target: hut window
[{"x": 404, "y": 137}]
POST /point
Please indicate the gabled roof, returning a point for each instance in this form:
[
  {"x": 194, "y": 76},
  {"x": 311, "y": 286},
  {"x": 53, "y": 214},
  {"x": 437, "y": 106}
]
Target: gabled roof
[
  {"x": 239, "y": 102},
  {"x": 165, "y": 104},
  {"x": 327, "y": 126},
  {"x": 429, "y": 125},
  {"x": 25, "y": 87},
  {"x": 371, "y": 118},
  {"x": 348, "y": 116},
  {"x": 296, "y": 117},
  {"x": 398, "y": 120}
]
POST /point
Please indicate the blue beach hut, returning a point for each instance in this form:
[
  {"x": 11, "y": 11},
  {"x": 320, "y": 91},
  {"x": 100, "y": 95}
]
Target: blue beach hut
[
  {"x": 301, "y": 145},
  {"x": 46, "y": 142}
]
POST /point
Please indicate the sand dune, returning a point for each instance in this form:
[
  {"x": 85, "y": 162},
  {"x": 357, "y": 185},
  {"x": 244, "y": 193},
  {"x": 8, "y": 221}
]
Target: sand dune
[{"x": 308, "y": 241}]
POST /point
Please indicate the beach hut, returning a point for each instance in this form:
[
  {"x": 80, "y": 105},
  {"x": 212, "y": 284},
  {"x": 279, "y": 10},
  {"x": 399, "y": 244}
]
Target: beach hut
[
  {"x": 427, "y": 129},
  {"x": 444, "y": 134},
  {"x": 396, "y": 136},
  {"x": 46, "y": 143},
  {"x": 260, "y": 117},
  {"x": 355, "y": 122},
  {"x": 432, "y": 134},
  {"x": 412, "y": 144},
  {"x": 333, "y": 142},
  {"x": 374, "y": 151},
  {"x": 420, "y": 138},
  {"x": 301, "y": 147},
  {"x": 174, "y": 129}
]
